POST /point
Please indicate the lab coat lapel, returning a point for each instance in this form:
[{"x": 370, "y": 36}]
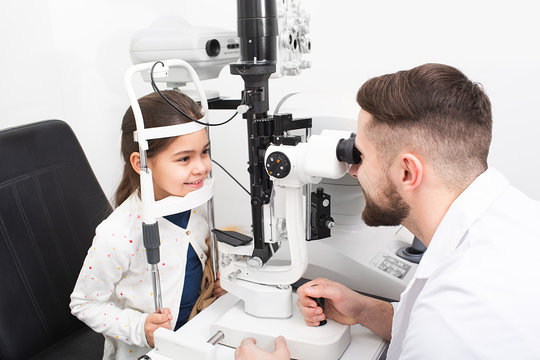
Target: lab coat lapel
[{"x": 468, "y": 207}]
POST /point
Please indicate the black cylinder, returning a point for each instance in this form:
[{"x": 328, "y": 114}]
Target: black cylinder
[
  {"x": 213, "y": 48},
  {"x": 257, "y": 30},
  {"x": 151, "y": 242},
  {"x": 347, "y": 152}
]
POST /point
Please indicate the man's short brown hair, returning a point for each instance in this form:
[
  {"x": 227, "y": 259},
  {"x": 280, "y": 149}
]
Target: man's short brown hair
[{"x": 434, "y": 110}]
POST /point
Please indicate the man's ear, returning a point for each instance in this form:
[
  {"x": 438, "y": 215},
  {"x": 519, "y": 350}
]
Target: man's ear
[
  {"x": 411, "y": 171},
  {"x": 135, "y": 160}
]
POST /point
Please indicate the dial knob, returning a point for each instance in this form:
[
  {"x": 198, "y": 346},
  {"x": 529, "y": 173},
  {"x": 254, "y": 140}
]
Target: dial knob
[{"x": 278, "y": 165}]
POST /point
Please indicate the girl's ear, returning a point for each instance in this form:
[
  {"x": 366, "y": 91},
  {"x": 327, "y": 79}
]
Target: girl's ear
[{"x": 135, "y": 161}]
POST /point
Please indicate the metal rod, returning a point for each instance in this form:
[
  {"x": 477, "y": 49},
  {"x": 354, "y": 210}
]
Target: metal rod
[
  {"x": 216, "y": 338},
  {"x": 307, "y": 187},
  {"x": 211, "y": 219},
  {"x": 213, "y": 239},
  {"x": 308, "y": 198},
  {"x": 156, "y": 285}
]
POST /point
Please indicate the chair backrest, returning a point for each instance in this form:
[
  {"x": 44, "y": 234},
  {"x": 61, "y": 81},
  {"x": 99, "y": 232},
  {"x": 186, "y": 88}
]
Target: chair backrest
[{"x": 50, "y": 205}]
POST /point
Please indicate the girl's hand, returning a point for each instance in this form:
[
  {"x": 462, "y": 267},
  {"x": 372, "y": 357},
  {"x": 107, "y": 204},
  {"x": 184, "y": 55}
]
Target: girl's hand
[
  {"x": 154, "y": 321},
  {"x": 218, "y": 290}
]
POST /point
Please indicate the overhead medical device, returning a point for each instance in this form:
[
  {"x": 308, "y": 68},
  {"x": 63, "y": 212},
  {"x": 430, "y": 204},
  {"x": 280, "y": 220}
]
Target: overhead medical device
[
  {"x": 206, "y": 49},
  {"x": 152, "y": 209},
  {"x": 209, "y": 49},
  {"x": 294, "y": 40}
]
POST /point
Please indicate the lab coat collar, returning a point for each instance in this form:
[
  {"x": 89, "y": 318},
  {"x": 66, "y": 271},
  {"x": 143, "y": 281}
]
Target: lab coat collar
[{"x": 463, "y": 212}]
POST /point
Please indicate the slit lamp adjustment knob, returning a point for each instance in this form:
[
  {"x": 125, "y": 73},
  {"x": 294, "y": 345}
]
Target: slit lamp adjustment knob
[
  {"x": 255, "y": 263},
  {"x": 278, "y": 165}
]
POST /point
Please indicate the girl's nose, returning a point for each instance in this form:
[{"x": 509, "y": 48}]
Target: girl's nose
[{"x": 199, "y": 167}]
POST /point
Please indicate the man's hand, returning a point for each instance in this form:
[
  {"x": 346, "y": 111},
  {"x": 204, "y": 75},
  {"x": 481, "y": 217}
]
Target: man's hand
[
  {"x": 248, "y": 350},
  {"x": 154, "y": 321},
  {"x": 345, "y": 306},
  {"x": 341, "y": 304}
]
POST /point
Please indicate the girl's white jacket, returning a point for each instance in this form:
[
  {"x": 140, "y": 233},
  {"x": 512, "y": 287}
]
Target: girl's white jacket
[{"x": 113, "y": 294}]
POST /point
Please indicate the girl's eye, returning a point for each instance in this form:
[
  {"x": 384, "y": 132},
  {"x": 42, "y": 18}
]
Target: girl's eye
[
  {"x": 205, "y": 151},
  {"x": 184, "y": 159}
]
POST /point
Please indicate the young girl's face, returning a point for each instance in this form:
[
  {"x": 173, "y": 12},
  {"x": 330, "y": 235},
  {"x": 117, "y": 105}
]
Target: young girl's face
[{"x": 182, "y": 166}]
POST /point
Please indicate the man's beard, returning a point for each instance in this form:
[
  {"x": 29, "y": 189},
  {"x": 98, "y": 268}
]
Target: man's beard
[{"x": 389, "y": 212}]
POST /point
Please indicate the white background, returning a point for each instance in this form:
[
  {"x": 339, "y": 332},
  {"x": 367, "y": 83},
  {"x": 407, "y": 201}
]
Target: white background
[{"x": 65, "y": 59}]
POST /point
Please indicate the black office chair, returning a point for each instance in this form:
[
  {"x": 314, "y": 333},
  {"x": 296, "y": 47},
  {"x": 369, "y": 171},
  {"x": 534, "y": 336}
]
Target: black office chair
[{"x": 50, "y": 205}]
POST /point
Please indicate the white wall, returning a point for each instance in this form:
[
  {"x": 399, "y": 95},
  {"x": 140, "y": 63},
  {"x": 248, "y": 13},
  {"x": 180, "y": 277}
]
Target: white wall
[{"x": 66, "y": 59}]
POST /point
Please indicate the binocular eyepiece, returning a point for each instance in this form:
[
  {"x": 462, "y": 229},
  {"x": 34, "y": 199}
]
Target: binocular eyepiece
[{"x": 347, "y": 152}]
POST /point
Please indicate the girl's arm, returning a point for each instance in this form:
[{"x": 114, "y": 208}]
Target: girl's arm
[{"x": 103, "y": 268}]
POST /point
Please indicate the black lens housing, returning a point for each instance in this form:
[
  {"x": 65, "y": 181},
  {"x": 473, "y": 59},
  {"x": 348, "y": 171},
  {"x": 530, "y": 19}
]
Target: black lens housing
[
  {"x": 257, "y": 30},
  {"x": 213, "y": 47},
  {"x": 347, "y": 152}
]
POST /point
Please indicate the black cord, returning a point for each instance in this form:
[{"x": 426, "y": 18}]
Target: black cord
[
  {"x": 195, "y": 120},
  {"x": 232, "y": 177},
  {"x": 178, "y": 109}
]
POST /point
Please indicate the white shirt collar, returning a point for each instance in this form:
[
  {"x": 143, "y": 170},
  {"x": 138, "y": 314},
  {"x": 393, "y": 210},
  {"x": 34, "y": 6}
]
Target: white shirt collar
[{"x": 468, "y": 206}]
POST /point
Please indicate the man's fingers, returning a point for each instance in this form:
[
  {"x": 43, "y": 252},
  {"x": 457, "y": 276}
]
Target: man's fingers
[
  {"x": 310, "y": 311},
  {"x": 306, "y": 303},
  {"x": 248, "y": 341},
  {"x": 314, "y": 320},
  {"x": 312, "y": 315},
  {"x": 312, "y": 289},
  {"x": 281, "y": 346}
]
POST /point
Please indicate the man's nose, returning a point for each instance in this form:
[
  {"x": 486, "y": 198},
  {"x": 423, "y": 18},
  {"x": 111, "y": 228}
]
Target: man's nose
[{"x": 354, "y": 170}]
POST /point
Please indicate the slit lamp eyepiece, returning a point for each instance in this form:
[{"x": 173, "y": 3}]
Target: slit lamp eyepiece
[{"x": 347, "y": 152}]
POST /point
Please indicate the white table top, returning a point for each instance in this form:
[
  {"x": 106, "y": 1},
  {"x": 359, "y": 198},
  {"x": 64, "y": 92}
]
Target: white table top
[{"x": 365, "y": 345}]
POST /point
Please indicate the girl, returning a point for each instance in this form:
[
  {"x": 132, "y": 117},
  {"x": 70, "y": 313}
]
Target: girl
[{"x": 113, "y": 294}]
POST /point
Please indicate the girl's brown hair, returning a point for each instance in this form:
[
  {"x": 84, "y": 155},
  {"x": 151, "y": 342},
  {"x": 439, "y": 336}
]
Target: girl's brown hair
[{"x": 156, "y": 113}]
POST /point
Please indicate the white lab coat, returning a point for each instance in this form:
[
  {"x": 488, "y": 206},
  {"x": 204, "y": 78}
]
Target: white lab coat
[
  {"x": 476, "y": 292},
  {"x": 113, "y": 294}
]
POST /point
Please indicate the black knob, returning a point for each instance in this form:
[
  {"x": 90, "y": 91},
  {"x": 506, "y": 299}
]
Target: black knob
[
  {"x": 320, "y": 302},
  {"x": 213, "y": 47},
  {"x": 278, "y": 165}
]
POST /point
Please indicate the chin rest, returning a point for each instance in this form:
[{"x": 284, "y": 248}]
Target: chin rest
[{"x": 50, "y": 205}]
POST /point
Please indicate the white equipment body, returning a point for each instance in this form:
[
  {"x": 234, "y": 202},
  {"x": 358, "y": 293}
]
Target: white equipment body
[
  {"x": 190, "y": 341},
  {"x": 206, "y": 49}
]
